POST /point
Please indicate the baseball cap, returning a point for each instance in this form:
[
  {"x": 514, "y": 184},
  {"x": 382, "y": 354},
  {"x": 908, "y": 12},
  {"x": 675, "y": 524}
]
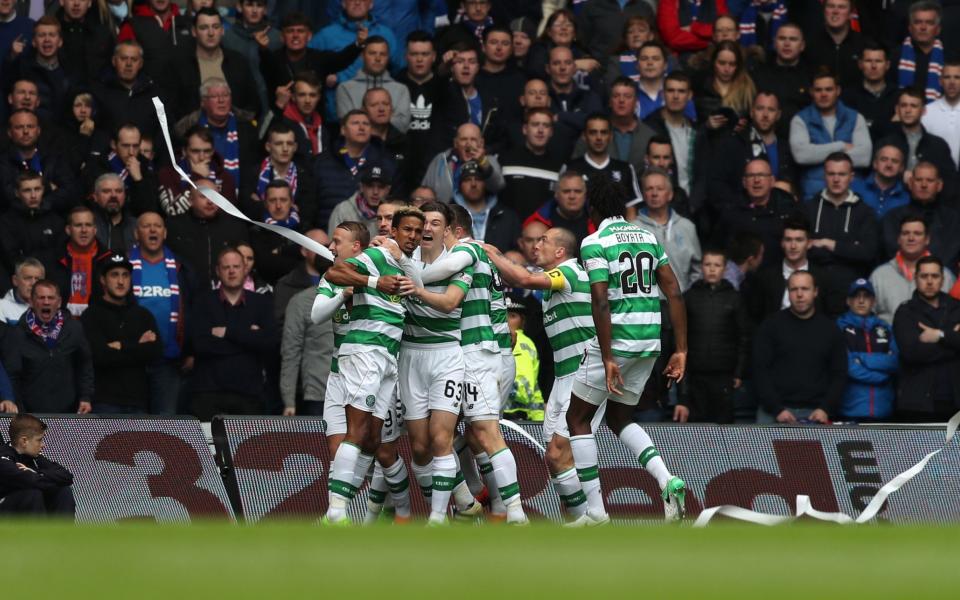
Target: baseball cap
[
  {"x": 113, "y": 260},
  {"x": 470, "y": 169},
  {"x": 861, "y": 284},
  {"x": 374, "y": 173}
]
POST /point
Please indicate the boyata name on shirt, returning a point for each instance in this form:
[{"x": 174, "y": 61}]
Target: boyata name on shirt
[{"x": 629, "y": 238}]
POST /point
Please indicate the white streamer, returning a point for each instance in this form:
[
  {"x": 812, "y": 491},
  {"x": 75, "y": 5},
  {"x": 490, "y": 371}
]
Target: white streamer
[
  {"x": 805, "y": 508},
  {"x": 227, "y": 206},
  {"x": 518, "y": 429}
]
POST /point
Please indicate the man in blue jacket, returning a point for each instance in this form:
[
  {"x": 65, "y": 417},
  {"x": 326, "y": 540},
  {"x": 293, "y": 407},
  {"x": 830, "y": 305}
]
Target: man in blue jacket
[{"x": 872, "y": 357}]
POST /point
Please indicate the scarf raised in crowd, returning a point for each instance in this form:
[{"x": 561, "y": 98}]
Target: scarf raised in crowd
[
  {"x": 908, "y": 66},
  {"x": 310, "y": 124},
  {"x": 48, "y": 332},
  {"x": 230, "y": 150},
  {"x": 761, "y": 9},
  {"x": 118, "y": 167},
  {"x": 267, "y": 175}
]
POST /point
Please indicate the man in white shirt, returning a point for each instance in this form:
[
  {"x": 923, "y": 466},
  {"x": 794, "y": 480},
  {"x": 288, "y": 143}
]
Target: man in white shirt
[{"x": 943, "y": 115}]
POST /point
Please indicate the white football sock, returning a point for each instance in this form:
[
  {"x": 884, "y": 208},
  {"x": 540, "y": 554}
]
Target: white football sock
[
  {"x": 636, "y": 439},
  {"x": 571, "y": 494},
  {"x": 588, "y": 471}
]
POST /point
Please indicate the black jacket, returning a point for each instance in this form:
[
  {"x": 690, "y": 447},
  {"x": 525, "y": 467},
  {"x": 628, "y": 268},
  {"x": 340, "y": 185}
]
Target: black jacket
[
  {"x": 288, "y": 286},
  {"x": 141, "y": 195},
  {"x": 527, "y": 187},
  {"x": 451, "y": 110},
  {"x": 45, "y": 474},
  {"x": 197, "y": 242},
  {"x": 159, "y": 46},
  {"x": 37, "y": 233},
  {"x": 56, "y": 169},
  {"x": 764, "y": 221},
  {"x": 840, "y": 58},
  {"x": 718, "y": 334},
  {"x": 87, "y": 46},
  {"x": 277, "y": 70},
  {"x": 933, "y": 149},
  {"x": 117, "y": 105},
  {"x": 503, "y": 228},
  {"x": 791, "y": 84},
  {"x": 799, "y": 363},
  {"x": 763, "y": 291},
  {"x": 276, "y": 256},
  {"x": 943, "y": 224},
  {"x": 49, "y": 380},
  {"x": 55, "y": 86},
  {"x": 729, "y": 156},
  {"x": 184, "y": 80},
  {"x": 929, "y": 373},
  {"x": 235, "y": 362},
  {"x": 571, "y": 112},
  {"x": 335, "y": 183},
  {"x": 121, "y": 375},
  {"x": 877, "y": 111}
]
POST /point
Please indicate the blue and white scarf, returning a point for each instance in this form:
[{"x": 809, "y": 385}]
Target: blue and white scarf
[
  {"x": 229, "y": 150},
  {"x": 756, "y": 10},
  {"x": 908, "y": 66},
  {"x": 118, "y": 167}
]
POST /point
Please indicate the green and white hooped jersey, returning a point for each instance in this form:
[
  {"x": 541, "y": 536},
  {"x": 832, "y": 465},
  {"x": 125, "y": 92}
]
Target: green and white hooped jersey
[
  {"x": 498, "y": 313},
  {"x": 427, "y": 327},
  {"x": 376, "y": 319},
  {"x": 568, "y": 316},
  {"x": 476, "y": 324},
  {"x": 340, "y": 319},
  {"x": 626, "y": 257}
]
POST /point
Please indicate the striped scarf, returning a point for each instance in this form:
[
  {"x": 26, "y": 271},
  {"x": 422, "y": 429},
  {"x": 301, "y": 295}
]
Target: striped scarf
[
  {"x": 136, "y": 279},
  {"x": 118, "y": 167},
  {"x": 908, "y": 66},
  {"x": 752, "y": 14},
  {"x": 48, "y": 332},
  {"x": 267, "y": 175},
  {"x": 229, "y": 150}
]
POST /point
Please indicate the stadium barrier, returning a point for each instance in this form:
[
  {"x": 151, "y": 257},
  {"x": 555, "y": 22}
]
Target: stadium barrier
[{"x": 162, "y": 469}]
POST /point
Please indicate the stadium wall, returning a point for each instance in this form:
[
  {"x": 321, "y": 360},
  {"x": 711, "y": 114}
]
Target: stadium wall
[{"x": 266, "y": 468}]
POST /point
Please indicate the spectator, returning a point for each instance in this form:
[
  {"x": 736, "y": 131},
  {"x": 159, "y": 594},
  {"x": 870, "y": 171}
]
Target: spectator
[
  {"x": 672, "y": 123},
  {"x": 461, "y": 102},
  {"x": 345, "y": 29},
  {"x": 231, "y": 331},
  {"x": 47, "y": 357},
  {"x": 241, "y": 38},
  {"x": 281, "y": 66},
  {"x": 42, "y": 65},
  {"x": 25, "y": 153},
  {"x": 17, "y": 300},
  {"x": 882, "y": 189},
  {"x": 87, "y": 43},
  {"x": 306, "y": 275},
  {"x": 160, "y": 29},
  {"x": 30, "y": 227},
  {"x": 624, "y": 57},
  {"x": 560, "y": 31},
  {"x": 761, "y": 209},
  {"x": 630, "y": 135},
  {"x": 377, "y": 104},
  {"x": 603, "y": 25},
  {"x": 425, "y": 89},
  {"x": 724, "y": 85},
  {"x": 252, "y": 281},
  {"x": 940, "y": 117},
  {"x": 525, "y": 399},
  {"x": 660, "y": 154},
  {"x": 942, "y": 220},
  {"x": 917, "y": 144},
  {"x": 837, "y": 46},
  {"x": 75, "y": 270},
  {"x": 875, "y": 98},
  {"x": 926, "y": 331},
  {"x": 845, "y": 233},
  {"x": 306, "y": 350},
  {"x": 653, "y": 66},
  {"x": 15, "y": 27},
  {"x": 675, "y": 233},
  {"x": 872, "y": 358},
  {"x": 920, "y": 59},
  {"x": 374, "y": 74},
  {"x": 799, "y": 359},
  {"x": 788, "y": 74},
  {"x": 282, "y": 163},
  {"x": 472, "y": 23},
  {"x": 337, "y": 170},
  {"x": 82, "y": 132},
  {"x": 499, "y": 77},
  {"x": 493, "y": 222},
  {"x": 893, "y": 280},
  {"x": 276, "y": 255},
  {"x": 568, "y": 208},
  {"x": 687, "y": 25},
  {"x": 825, "y": 127},
  {"x": 161, "y": 286},
  {"x": 299, "y": 110},
  {"x": 422, "y": 195},
  {"x": 570, "y": 103},
  {"x": 235, "y": 135},
  {"x": 444, "y": 171},
  {"x": 597, "y": 161},
  {"x": 530, "y": 170},
  {"x": 124, "y": 94},
  {"x": 747, "y": 251},
  {"x": 531, "y": 233},
  {"x": 198, "y": 236},
  {"x": 30, "y": 483},
  {"x": 126, "y": 162},
  {"x": 26, "y": 95},
  {"x": 208, "y": 58},
  {"x": 123, "y": 342},
  {"x": 115, "y": 224},
  {"x": 718, "y": 338},
  {"x": 200, "y": 161},
  {"x": 362, "y": 206}
]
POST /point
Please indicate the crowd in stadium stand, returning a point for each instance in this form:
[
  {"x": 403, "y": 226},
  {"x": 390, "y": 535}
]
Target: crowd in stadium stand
[{"x": 811, "y": 211}]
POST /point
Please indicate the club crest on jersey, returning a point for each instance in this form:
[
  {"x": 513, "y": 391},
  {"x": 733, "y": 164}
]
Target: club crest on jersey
[
  {"x": 371, "y": 400},
  {"x": 617, "y": 176},
  {"x": 394, "y": 298}
]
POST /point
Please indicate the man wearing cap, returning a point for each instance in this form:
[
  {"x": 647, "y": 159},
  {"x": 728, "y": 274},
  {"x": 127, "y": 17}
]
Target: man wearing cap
[
  {"x": 524, "y": 400},
  {"x": 123, "y": 341},
  {"x": 872, "y": 357},
  {"x": 362, "y": 206},
  {"x": 492, "y": 222}
]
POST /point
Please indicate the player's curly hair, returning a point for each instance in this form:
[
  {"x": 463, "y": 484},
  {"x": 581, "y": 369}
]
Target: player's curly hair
[{"x": 606, "y": 198}]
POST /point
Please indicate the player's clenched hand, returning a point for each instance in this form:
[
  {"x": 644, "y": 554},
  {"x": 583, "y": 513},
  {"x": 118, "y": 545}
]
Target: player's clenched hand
[
  {"x": 388, "y": 284},
  {"x": 677, "y": 366},
  {"x": 407, "y": 286},
  {"x": 614, "y": 378},
  {"x": 387, "y": 244}
]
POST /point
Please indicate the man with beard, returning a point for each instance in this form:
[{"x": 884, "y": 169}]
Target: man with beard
[{"x": 115, "y": 225}]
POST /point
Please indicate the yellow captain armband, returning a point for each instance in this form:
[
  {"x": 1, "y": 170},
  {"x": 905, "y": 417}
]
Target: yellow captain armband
[{"x": 557, "y": 280}]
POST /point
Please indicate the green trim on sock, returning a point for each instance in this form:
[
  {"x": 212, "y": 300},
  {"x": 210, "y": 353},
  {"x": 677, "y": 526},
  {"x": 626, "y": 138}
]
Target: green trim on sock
[
  {"x": 575, "y": 499},
  {"x": 647, "y": 455},
  {"x": 588, "y": 474},
  {"x": 458, "y": 479},
  {"x": 498, "y": 452},
  {"x": 377, "y": 497},
  {"x": 427, "y": 491},
  {"x": 342, "y": 488},
  {"x": 444, "y": 484},
  {"x": 486, "y": 468},
  {"x": 509, "y": 491},
  {"x": 400, "y": 486}
]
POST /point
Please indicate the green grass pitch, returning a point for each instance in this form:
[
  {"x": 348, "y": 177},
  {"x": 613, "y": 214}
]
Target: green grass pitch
[{"x": 300, "y": 560}]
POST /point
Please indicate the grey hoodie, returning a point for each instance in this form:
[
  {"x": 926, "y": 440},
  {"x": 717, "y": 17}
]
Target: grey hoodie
[
  {"x": 350, "y": 96},
  {"x": 679, "y": 240}
]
